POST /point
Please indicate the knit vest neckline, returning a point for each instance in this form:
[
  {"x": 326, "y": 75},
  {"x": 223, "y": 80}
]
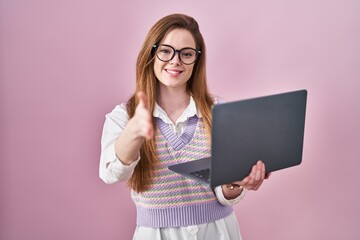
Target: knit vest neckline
[{"x": 178, "y": 142}]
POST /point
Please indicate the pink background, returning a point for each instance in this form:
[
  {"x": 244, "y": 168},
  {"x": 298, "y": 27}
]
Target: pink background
[{"x": 65, "y": 64}]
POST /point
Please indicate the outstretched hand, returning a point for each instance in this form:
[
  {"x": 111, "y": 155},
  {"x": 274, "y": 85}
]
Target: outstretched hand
[{"x": 142, "y": 120}]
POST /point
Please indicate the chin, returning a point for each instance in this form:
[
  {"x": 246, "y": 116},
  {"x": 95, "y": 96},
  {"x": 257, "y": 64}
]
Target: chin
[{"x": 173, "y": 83}]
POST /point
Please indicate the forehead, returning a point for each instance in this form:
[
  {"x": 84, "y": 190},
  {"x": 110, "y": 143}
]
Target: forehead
[{"x": 179, "y": 38}]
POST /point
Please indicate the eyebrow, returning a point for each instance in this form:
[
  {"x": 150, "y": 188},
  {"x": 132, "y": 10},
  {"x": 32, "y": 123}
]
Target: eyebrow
[{"x": 175, "y": 47}]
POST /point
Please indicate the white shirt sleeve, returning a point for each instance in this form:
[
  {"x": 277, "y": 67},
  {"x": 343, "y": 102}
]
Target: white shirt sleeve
[
  {"x": 111, "y": 168},
  {"x": 228, "y": 202}
]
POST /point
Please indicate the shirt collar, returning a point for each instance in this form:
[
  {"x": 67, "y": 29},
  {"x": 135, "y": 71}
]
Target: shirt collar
[{"x": 190, "y": 111}]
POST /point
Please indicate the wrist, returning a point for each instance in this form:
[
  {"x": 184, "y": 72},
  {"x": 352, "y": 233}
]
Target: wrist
[{"x": 231, "y": 191}]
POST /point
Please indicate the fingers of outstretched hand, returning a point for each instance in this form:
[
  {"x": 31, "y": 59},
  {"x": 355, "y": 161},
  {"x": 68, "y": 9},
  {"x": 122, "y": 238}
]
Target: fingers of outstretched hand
[
  {"x": 142, "y": 118},
  {"x": 143, "y": 125},
  {"x": 142, "y": 99}
]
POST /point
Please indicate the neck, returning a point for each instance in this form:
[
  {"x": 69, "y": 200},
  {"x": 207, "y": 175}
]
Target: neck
[{"x": 174, "y": 102}]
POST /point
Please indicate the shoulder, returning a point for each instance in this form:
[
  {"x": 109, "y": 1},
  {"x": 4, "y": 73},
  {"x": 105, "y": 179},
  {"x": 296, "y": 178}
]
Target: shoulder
[{"x": 118, "y": 114}]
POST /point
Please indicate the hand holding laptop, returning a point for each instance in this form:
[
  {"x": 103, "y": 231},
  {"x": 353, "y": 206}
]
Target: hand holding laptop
[{"x": 251, "y": 182}]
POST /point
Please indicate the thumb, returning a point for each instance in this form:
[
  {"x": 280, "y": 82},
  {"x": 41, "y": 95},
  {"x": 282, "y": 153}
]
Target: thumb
[{"x": 142, "y": 99}]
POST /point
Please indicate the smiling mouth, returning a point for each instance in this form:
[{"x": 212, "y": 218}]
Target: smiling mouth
[{"x": 173, "y": 72}]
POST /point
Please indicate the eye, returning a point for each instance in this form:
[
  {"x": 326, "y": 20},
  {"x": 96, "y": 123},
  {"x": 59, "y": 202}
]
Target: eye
[
  {"x": 165, "y": 50},
  {"x": 188, "y": 53}
]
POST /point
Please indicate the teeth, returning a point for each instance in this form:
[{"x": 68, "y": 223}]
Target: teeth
[{"x": 172, "y": 71}]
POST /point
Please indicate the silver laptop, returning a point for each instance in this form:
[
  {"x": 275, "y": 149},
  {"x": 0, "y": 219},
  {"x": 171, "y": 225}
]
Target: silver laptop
[{"x": 269, "y": 128}]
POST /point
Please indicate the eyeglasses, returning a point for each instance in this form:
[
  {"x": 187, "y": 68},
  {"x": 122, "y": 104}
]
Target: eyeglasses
[{"x": 186, "y": 55}]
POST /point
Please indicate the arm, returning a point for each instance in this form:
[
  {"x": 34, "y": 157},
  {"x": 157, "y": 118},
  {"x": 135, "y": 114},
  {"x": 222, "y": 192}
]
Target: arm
[
  {"x": 138, "y": 128},
  {"x": 111, "y": 168},
  {"x": 121, "y": 142}
]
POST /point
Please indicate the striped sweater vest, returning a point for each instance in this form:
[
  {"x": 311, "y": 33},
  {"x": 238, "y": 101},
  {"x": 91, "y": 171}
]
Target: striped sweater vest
[{"x": 174, "y": 200}]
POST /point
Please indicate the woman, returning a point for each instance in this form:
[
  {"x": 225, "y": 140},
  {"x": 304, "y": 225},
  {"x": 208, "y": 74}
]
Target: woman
[{"x": 168, "y": 121}]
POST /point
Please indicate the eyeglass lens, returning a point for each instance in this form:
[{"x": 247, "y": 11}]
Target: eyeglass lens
[{"x": 166, "y": 53}]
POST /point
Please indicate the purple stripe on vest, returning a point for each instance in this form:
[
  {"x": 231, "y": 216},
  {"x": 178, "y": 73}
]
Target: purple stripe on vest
[
  {"x": 182, "y": 216},
  {"x": 178, "y": 142}
]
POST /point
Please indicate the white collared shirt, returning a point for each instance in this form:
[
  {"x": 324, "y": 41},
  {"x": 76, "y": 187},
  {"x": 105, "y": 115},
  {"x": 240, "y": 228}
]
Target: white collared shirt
[
  {"x": 112, "y": 170},
  {"x": 181, "y": 122}
]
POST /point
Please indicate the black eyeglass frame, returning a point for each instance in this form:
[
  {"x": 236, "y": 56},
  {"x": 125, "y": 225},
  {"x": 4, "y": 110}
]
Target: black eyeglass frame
[{"x": 197, "y": 52}]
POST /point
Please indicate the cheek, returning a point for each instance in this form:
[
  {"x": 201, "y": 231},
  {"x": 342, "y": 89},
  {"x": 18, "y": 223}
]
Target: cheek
[
  {"x": 190, "y": 70},
  {"x": 157, "y": 68}
]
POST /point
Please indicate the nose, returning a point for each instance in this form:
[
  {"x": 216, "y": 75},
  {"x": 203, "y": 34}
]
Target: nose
[{"x": 176, "y": 58}]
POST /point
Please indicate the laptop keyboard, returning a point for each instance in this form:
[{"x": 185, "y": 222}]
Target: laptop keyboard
[{"x": 204, "y": 174}]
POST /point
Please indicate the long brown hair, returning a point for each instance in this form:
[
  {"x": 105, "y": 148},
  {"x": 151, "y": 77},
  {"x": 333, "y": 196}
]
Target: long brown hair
[{"x": 146, "y": 82}]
